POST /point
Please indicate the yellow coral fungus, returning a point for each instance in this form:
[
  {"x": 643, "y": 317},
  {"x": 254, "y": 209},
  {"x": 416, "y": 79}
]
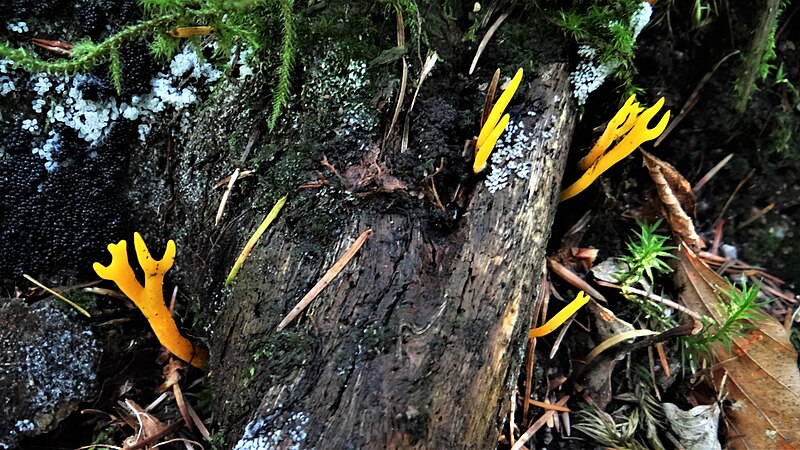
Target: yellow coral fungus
[
  {"x": 561, "y": 317},
  {"x": 150, "y": 298},
  {"x": 620, "y": 124},
  {"x": 638, "y": 134},
  {"x": 494, "y": 125}
]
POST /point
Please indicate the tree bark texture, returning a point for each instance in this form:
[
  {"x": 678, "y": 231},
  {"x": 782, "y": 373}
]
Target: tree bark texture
[{"x": 418, "y": 342}]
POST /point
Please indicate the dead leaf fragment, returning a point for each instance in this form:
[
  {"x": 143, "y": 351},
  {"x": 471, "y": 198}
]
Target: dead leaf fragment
[
  {"x": 763, "y": 379},
  {"x": 677, "y": 198},
  {"x": 697, "y": 428}
]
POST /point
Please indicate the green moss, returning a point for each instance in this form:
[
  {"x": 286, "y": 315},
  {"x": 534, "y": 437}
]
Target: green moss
[
  {"x": 769, "y": 240},
  {"x": 282, "y": 353},
  {"x": 782, "y": 141}
]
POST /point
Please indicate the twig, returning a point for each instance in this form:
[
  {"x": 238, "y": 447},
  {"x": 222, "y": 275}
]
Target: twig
[
  {"x": 658, "y": 298},
  {"x": 401, "y": 42},
  {"x": 538, "y": 424},
  {"x": 699, "y": 185},
  {"x": 486, "y": 38},
  {"x": 325, "y": 280},
  {"x": 573, "y": 279}
]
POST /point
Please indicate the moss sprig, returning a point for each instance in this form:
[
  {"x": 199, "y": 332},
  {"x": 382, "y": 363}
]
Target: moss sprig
[{"x": 281, "y": 95}]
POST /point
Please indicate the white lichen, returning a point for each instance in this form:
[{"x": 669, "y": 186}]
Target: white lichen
[
  {"x": 259, "y": 436},
  {"x": 18, "y": 27},
  {"x": 590, "y": 72},
  {"x": 512, "y": 158},
  {"x": 82, "y": 103}
]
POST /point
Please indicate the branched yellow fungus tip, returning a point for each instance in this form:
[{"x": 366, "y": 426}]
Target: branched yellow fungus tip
[{"x": 639, "y": 133}]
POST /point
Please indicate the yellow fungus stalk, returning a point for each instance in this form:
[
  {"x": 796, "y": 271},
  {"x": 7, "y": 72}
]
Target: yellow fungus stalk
[
  {"x": 482, "y": 156},
  {"x": 254, "y": 239},
  {"x": 638, "y": 135},
  {"x": 494, "y": 125},
  {"x": 561, "y": 317},
  {"x": 150, "y": 297}
]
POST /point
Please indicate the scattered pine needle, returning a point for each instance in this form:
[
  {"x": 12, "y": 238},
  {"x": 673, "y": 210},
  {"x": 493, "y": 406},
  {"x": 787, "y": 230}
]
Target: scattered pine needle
[
  {"x": 538, "y": 424},
  {"x": 733, "y": 195},
  {"x": 253, "y": 239},
  {"x": 226, "y": 195},
  {"x": 325, "y": 280},
  {"x": 57, "y": 295},
  {"x": 757, "y": 215},
  {"x": 549, "y": 406},
  {"x": 663, "y": 358},
  {"x": 714, "y": 170}
]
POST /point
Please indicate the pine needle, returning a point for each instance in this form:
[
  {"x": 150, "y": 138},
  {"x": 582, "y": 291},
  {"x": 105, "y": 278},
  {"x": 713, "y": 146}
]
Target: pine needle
[
  {"x": 325, "y": 280},
  {"x": 57, "y": 295},
  {"x": 253, "y": 239}
]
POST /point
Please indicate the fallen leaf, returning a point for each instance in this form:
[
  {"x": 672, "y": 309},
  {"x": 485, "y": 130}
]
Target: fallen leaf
[
  {"x": 148, "y": 427},
  {"x": 763, "y": 379},
  {"x": 677, "y": 198},
  {"x": 697, "y": 428}
]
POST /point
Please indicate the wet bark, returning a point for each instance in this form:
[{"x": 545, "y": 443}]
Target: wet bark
[{"x": 418, "y": 342}]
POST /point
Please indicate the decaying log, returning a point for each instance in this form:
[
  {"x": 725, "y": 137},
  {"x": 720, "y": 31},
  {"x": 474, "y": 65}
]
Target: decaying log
[{"x": 417, "y": 343}]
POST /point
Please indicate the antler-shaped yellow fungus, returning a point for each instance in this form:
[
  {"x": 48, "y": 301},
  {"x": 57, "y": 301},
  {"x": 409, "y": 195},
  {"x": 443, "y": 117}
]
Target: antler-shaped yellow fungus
[
  {"x": 150, "y": 298},
  {"x": 494, "y": 125},
  {"x": 561, "y": 317},
  {"x": 620, "y": 124},
  {"x": 639, "y": 133}
]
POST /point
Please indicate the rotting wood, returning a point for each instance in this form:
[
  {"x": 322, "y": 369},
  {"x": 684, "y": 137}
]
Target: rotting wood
[{"x": 421, "y": 336}]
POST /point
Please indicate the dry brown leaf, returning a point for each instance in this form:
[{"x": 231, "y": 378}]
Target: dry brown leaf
[
  {"x": 677, "y": 197},
  {"x": 763, "y": 379},
  {"x": 171, "y": 373},
  {"x": 148, "y": 427}
]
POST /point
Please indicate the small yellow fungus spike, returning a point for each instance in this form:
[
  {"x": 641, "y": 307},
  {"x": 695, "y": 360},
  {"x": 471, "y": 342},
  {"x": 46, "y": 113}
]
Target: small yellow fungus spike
[
  {"x": 489, "y": 133},
  {"x": 561, "y": 317},
  {"x": 637, "y": 136},
  {"x": 482, "y": 156},
  {"x": 150, "y": 298}
]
